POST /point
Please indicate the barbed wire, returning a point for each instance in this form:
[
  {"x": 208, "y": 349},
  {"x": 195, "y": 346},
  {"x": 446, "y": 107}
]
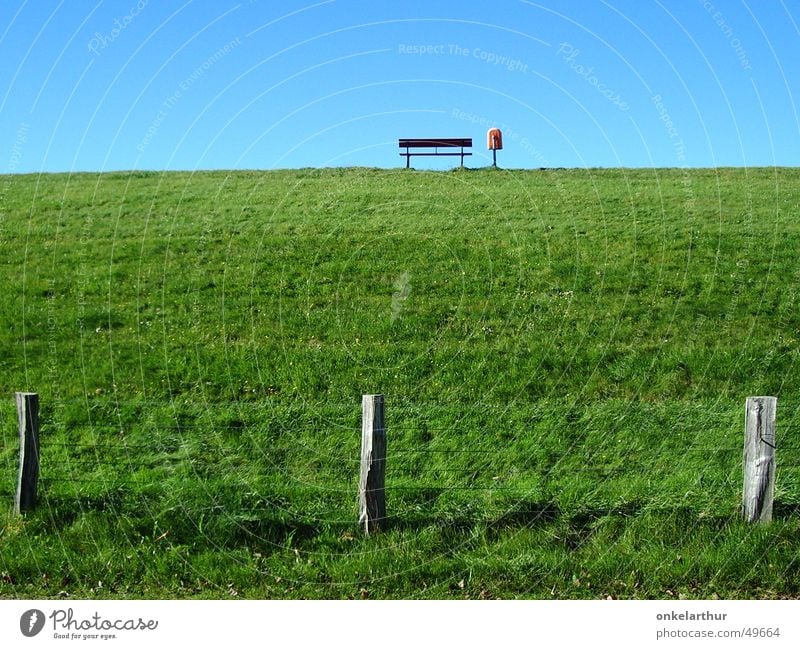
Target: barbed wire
[
  {"x": 500, "y": 483},
  {"x": 155, "y": 448},
  {"x": 299, "y": 400}
]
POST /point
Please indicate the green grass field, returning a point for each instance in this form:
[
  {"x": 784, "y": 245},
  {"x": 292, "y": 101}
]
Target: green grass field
[{"x": 565, "y": 356}]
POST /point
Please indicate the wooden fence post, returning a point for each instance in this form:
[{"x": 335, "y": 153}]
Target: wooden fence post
[
  {"x": 371, "y": 487},
  {"x": 759, "y": 459},
  {"x": 28, "y": 414}
]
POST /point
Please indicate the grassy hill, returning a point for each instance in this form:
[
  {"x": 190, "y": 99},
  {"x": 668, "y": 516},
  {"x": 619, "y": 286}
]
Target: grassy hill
[{"x": 565, "y": 356}]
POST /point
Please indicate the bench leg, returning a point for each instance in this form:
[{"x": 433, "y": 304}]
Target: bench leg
[{"x": 408, "y": 159}]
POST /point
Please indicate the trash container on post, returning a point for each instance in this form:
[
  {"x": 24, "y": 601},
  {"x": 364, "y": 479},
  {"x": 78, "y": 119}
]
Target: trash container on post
[{"x": 494, "y": 141}]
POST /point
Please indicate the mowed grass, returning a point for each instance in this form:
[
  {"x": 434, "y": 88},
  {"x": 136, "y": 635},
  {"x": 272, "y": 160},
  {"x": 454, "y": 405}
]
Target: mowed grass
[{"x": 565, "y": 356}]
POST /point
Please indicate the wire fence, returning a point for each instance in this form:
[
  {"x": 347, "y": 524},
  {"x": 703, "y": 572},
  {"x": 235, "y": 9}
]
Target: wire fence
[{"x": 318, "y": 458}]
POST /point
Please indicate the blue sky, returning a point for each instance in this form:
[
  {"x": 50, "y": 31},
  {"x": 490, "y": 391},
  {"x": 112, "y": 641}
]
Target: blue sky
[{"x": 202, "y": 84}]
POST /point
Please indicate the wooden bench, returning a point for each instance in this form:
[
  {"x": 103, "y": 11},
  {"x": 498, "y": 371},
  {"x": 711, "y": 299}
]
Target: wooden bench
[{"x": 435, "y": 144}]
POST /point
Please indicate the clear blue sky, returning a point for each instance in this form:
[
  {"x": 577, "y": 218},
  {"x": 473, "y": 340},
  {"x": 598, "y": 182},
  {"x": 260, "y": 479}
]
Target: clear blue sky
[{"x": 198, "y": 84}]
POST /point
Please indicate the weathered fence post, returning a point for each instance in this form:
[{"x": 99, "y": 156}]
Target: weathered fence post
[
  {"x": 371, "y": 488},
  {"x": 759, "y": 459},
  {"x": 28, "y": 414}
]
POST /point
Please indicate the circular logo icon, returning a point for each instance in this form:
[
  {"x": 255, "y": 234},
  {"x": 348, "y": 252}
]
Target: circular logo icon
[{"x": 31, "y": 622}]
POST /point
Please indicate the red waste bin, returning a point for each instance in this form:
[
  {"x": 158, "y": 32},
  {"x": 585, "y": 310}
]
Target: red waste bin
[{"x": 494, "y": 139}]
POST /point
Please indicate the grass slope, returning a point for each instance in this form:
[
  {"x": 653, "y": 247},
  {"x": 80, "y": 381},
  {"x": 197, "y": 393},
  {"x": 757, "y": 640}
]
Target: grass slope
[{"x": 565, "y": 356}]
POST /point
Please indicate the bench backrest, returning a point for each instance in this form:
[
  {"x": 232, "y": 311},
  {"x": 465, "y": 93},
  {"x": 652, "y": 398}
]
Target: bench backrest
[{"x": 434, "y": 142}]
